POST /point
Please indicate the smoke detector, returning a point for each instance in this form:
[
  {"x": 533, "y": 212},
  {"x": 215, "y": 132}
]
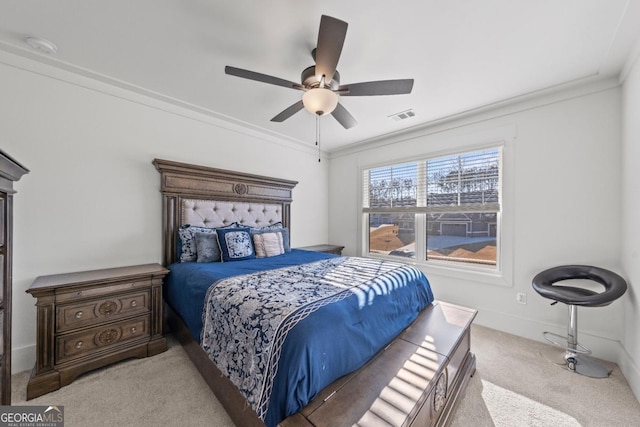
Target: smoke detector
[{"x": 42, "y": 45}]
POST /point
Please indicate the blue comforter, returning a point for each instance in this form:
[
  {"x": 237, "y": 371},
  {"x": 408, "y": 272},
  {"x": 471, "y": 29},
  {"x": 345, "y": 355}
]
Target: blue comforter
[
  {"x": 187, "y": 283},
  {"x": 326, "y": 343}
]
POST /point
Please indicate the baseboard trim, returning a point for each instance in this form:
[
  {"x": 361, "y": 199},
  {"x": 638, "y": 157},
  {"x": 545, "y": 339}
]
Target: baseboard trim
[
  {"x": 602, "y": 347},
  {"x": 23, "y": 358},
  {"x": 630, "y": 371}
]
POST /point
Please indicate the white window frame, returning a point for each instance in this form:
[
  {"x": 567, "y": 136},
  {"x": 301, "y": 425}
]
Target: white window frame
[{"x": 502, "y": 274}]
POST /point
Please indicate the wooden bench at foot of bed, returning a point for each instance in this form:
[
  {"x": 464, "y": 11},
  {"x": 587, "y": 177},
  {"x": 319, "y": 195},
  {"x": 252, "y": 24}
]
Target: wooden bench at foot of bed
[{"x": 415, "y": 381}]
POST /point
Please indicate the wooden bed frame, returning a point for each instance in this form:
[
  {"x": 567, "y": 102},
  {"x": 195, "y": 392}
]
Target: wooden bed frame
[{"x": 415, "y": 381}]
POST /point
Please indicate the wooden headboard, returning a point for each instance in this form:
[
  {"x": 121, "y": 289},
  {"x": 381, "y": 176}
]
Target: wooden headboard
[{"x": 185, "y": 186}]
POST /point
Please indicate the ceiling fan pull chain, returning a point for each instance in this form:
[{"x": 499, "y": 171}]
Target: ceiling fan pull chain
[{"x": 318, "y": 135}]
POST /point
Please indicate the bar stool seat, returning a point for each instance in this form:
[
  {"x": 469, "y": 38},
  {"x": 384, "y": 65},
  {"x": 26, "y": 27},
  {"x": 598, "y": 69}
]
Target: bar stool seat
[{"x": 573, "y": 296}]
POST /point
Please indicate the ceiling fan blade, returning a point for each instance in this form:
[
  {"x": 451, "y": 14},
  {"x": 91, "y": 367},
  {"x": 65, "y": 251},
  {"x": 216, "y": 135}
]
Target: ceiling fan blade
[
  {"x": 344, "y": 117},
  {"x": 290, "y": 111},
  {"x": 264, "y": 78},
  {"x": 382, "y": 87},
  {"x": 330, "y": 41}
]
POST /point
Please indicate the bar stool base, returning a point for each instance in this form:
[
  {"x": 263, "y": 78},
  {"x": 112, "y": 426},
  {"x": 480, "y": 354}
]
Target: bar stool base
[
  {"x": 578, "y": 363},
  {"x": 586, "y": 366}
]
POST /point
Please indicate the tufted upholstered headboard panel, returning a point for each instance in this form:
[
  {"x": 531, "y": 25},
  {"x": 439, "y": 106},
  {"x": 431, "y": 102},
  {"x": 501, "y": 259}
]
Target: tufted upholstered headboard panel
[
  {"x": 214, "y": 213},
  {"x": 209, "y": 197}
]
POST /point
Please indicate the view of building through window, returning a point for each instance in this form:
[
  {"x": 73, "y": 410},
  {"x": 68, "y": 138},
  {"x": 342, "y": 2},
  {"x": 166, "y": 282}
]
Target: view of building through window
[{"x": 453, "y": 200}]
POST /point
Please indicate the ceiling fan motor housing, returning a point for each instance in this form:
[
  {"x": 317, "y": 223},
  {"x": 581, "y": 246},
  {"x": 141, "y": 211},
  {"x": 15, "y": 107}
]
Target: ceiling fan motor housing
[{"x": 310, "y": 80}]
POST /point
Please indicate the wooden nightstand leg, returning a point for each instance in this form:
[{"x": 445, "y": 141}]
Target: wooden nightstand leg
[
  {"x": 156, "y": 346},
  {"x": 43, "y": 376},
  {"x": 46, "y": 313},
  {"x": 158, "y": 343},
  {"x": 42, "y": 384}
]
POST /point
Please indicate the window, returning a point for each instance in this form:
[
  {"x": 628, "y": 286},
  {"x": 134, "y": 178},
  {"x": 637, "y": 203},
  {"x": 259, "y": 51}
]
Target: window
[{"x": 444, "y": 209}]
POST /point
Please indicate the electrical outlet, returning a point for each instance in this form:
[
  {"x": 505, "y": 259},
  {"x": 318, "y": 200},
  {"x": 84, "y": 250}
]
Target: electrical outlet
[{"x": 521, "y": 298}]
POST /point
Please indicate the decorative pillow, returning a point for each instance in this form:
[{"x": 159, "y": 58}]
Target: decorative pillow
[
  {"x": 270, "y": 229},
  {"x": 207, "y": 248},
  {"x": 268, "y": 244},
  {"x": 235, "y": 244},
  {"x": 278, "y": 224},
  {"x": 187, "y": 249},
  {"x": 187, "y": 235}
]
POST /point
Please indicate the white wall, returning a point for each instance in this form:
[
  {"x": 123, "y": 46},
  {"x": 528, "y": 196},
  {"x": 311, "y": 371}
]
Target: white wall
[
  {"x": 630, "y": 224},
  {"x": 92, "y": 197},
  {"x": 562, "y": 205}
]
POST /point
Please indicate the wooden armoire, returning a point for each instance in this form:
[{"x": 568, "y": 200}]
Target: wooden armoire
[{"x": 10, "y": 171}]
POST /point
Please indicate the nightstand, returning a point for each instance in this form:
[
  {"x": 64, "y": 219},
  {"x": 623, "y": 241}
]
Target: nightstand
[
  {"x": 91, "y": 319},
  {"x": 329, "y": 249}
]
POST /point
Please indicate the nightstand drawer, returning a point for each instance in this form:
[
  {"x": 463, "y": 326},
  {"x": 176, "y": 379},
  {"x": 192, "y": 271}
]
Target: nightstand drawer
[
  {"x": 93, "y": 312},
  {"x": 89, "y": 341},
  {"x": 98, "y": 291}
]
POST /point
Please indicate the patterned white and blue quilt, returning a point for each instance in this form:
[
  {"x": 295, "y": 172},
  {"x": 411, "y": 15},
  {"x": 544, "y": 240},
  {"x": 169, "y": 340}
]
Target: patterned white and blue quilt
[{"x": 282, "y": 335}]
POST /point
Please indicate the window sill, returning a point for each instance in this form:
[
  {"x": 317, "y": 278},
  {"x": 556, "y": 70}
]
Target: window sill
[{"x": 464, "y": 273}]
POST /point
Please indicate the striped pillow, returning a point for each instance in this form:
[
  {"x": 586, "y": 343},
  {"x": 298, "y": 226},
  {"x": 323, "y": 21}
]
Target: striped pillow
[{"x": 268, "y": 244}]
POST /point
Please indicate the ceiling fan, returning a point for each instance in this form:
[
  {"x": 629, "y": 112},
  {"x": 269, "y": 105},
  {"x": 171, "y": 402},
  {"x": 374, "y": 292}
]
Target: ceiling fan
[{"x": 321, "y": 82}]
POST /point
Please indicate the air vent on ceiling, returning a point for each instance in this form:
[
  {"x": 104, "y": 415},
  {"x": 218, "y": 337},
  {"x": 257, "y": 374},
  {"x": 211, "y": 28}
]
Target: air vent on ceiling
[{"x": 403, "y": 115}]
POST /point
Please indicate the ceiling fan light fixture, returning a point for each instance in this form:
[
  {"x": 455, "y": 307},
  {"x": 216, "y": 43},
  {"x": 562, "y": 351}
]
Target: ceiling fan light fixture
[{"x": 320, "y": 101}]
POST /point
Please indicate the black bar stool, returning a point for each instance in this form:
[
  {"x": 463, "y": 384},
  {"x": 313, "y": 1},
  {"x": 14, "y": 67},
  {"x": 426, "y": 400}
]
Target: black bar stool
[{"x": 614, "y": 287}]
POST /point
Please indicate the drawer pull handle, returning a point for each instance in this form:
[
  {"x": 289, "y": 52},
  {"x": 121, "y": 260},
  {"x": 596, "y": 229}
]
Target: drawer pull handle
[
  {"x": 133, "y": 303},
  {"x": 79, "y": 314},
  {"x": 79, "y": 344},
  {"x": 133, "y": 330}
]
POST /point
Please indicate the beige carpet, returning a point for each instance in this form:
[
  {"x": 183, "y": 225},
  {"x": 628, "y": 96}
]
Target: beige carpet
[{"x": 513, "y": 386}]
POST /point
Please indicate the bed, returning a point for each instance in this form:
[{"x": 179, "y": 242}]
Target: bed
[{"x": 395, "y": 356}]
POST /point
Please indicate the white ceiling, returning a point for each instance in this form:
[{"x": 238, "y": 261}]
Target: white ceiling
[{"x": 462, "y": 54}]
